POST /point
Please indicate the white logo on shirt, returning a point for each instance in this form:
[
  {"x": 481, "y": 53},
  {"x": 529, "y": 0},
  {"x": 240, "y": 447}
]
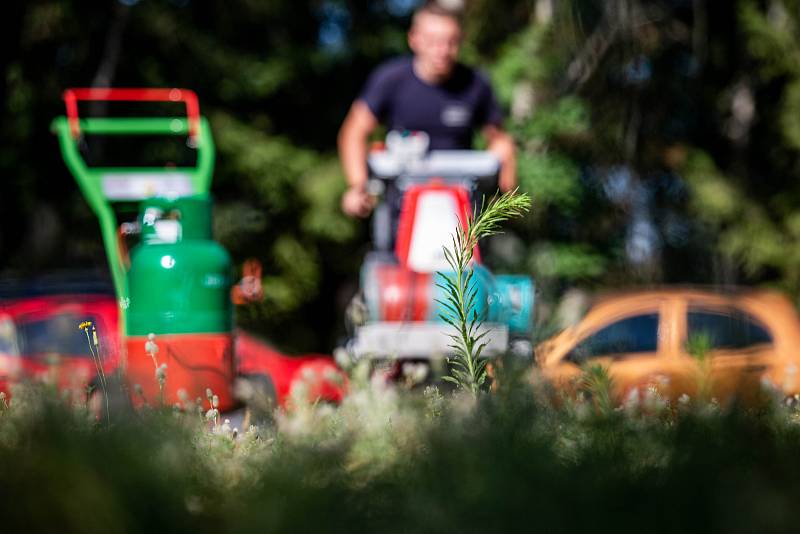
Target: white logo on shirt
[{"x": 456, "y": 114}]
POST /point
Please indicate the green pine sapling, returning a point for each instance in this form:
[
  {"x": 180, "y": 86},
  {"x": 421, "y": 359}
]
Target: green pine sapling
[{"x": 468, "y": 370}]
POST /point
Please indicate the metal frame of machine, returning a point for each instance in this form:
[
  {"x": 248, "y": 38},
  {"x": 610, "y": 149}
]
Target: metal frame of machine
[{"x": 96, "y": 182}]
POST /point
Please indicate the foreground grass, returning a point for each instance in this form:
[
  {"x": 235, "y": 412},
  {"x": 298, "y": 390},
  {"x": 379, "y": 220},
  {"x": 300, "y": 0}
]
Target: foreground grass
[{"x": 402, "y": 463}]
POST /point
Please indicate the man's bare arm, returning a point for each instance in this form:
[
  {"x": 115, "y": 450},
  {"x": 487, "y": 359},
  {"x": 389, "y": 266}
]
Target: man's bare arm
[
  {"x": 352, "y": 141},
  {"x": 501, "y": 144}
]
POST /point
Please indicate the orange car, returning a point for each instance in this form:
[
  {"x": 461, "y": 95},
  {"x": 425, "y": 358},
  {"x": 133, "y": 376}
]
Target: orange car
[{"x": 747, "y": 339}]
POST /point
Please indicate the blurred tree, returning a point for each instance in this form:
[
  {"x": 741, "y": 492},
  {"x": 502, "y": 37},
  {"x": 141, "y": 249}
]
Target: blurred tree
[
  {"x": 258, "y": 68},
  {"x": 659, "y": 139},
  {"x": 745, "y": 188}
]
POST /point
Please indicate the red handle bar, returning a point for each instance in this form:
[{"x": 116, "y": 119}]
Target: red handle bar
[{"x": 72, "y": 96}]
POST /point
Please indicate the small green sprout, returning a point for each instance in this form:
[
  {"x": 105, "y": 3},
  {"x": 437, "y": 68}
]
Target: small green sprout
[
  {"x": 598, "y": 384},
  {"x": 699, "y": 346}
]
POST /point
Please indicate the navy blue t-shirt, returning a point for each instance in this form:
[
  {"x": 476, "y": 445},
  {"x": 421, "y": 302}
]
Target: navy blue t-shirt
[{"x": 449, "y": 112}]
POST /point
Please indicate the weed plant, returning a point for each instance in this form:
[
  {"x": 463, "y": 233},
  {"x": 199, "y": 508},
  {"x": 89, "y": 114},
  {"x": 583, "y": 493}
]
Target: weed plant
[{"x": 94, "y": 350}]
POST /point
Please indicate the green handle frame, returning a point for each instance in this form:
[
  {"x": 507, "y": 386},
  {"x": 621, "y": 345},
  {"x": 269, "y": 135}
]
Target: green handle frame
[{"x": 90, "y": 178}]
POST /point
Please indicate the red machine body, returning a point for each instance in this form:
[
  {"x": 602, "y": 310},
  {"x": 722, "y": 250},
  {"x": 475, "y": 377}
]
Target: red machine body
[
  {"x": 185, "y": 371},
  {"x": 403, "y": 288}
]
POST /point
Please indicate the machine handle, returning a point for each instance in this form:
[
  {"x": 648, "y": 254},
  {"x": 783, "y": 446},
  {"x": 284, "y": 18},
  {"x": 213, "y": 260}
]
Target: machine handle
[
  {"x": 187, "y": 96},
  {"x": 445, "y": 164}
]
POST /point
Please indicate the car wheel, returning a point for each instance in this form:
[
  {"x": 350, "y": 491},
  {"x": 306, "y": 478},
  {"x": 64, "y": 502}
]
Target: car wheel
[
  {"x": 257, "y": 392},
  {"x": 115, "y": 394}
]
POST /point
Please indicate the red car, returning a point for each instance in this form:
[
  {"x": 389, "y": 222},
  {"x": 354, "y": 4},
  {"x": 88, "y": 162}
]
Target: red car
[
  {"x": 9, "y": 351},
  {"x": 316, "y": 372},
  {"x": 40, "y": 339}
]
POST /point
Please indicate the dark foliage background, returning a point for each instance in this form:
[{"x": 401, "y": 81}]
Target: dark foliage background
[{"x": 659, "y": 139}]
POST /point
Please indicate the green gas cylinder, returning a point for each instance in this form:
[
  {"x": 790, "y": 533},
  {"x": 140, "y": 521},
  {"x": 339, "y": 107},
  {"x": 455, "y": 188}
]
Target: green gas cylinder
[{"x": 179, "y": 278}]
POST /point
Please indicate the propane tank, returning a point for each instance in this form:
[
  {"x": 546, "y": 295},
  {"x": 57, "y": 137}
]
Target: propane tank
[{"x": 179, "y": 283}]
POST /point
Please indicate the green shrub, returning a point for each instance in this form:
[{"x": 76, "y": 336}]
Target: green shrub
[{"x": 383, "y": 461}]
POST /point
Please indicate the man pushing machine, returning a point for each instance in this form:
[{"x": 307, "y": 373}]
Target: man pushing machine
[
  {"x": 429, "y": 91},
  {"x": 427, "y": 178}
]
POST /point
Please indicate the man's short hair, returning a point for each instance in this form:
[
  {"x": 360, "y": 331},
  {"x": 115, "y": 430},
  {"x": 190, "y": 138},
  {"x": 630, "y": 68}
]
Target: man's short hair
[{"x": 432, "y": 7}]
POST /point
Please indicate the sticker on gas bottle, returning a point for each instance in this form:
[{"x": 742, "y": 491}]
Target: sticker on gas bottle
[{"x": 213, "y": 280}]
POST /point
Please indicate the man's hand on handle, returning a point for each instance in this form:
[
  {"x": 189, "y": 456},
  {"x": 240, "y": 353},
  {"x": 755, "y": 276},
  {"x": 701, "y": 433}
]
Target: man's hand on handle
[{"x": 356, "y": 202}]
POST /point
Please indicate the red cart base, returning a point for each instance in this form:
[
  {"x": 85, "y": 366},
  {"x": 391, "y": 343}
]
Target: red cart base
[{"x": 195, "y": 362}]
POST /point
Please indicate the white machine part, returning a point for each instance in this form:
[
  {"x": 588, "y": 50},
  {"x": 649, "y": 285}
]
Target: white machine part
[
  {"x": 438, "y": 163},
  {"x": 435, "y": 222},
  {"x": 141, "y": 185},
  {"x": 383, "y": 340},
  {"x": 407, "y": 146}
]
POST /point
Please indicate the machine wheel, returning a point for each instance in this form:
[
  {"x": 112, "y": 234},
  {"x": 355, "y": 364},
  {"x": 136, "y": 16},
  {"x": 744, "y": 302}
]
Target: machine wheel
[
  {"x": 119, "y": 402},
  {"x": 356, "y": 313},
  {"x": 257, "y": 392},
  {"x": 521, "y": 349}
]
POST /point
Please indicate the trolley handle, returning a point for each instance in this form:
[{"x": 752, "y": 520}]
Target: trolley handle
[{"x": 187, "y": 96}]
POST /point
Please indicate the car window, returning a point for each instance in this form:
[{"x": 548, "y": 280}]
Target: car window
[
  {"x": 726, "y": 329},
  {"x": 56, "y": 333},
  {"x": 636, "y": 334},
  {"x": 8, "y": 337}
]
